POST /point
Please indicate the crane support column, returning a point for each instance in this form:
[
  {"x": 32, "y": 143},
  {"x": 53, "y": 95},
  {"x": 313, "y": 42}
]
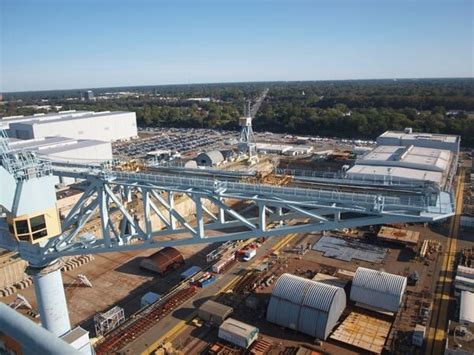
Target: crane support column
[{"x": 51, "y": 299}]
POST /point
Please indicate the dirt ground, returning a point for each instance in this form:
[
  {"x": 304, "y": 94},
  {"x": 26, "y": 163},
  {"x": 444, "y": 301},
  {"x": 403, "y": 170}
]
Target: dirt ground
[{"x": 117, "y": 280}]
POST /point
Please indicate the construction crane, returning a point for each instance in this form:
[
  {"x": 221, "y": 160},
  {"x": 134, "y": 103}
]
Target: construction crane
[
  {"x": 30, "y": 223},
  {"x": 247, "y": 144}
]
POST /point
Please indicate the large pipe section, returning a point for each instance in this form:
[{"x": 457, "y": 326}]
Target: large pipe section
[{"x": 33, "y": 338}]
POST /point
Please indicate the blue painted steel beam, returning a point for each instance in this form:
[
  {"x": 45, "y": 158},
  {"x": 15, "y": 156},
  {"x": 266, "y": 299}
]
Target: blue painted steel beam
[{"x": 33, "y": 338}]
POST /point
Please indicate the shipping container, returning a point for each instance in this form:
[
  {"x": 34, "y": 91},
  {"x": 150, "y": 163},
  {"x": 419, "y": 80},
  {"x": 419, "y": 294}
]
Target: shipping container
[
  {"x": 238, "y": 333},
  {"x": 207, "y": 281},
  {"x": 203, "y": 277},
  {"x": 249, "y": 254},
  {"x": 193, "y": 270},
  {"x": 149, "y": 298},
  {"x": 222, "y": 264},
  {"x": 418, "y": 335}
]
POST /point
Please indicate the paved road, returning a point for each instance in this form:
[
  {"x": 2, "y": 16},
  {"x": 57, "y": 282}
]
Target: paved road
[
  {"x": 439, "y": 321},
  {"x": 174, "y": 323}
]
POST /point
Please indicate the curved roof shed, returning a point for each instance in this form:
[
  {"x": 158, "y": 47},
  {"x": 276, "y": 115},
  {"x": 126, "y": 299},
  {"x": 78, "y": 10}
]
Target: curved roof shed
[
  {"x": 211, "y": 158},
  {"x": 307, "y": 306},
  {"x": 162, "y": 261},
  {"x": 378, "y": 289}
]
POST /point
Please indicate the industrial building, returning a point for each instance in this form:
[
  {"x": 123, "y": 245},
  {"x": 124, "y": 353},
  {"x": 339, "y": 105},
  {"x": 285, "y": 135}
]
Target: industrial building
[
  {"x": 162, "y": 261},
  {"x": 268, "y": 148},
  {"x": 300, "y": 150},
  {"x": 378, "y": 290},
  {"x": 307, "y": 306},
  {"x": 213, "y": 312},
  {"x": 65, "y": 149},
  {"x": 411, "y": 157},
  {"x": 89, "y": 95},
  {"x": 8, "y": 120},
  {"x": 103, "y": 126},
  {"x": 405, "y": 160},
  {"x": 427, "y": 140},
  {"x": 238, "y": 333},
  {"x": 283, "y": 149}
]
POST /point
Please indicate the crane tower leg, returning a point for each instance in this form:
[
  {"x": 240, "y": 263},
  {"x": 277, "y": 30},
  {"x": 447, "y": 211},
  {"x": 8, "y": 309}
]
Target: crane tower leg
[{"x": 51, "y": 298}]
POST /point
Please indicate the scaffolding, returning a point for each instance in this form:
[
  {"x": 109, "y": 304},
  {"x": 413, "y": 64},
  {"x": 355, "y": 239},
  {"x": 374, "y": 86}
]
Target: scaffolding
[{"x": 105, "y": 322}]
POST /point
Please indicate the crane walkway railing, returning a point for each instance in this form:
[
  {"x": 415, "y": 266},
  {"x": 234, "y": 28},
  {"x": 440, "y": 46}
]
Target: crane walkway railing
[
  {"x": 388, "y": 199},
  {"x": 232, "y": 187}
]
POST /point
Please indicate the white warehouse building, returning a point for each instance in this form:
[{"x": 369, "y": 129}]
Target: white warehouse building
[
  {"x": 406, "y": 160},
  {"x": 66, "y": 149},
  {"x": 102, "y": 126},
  {"x": 378, "y": 290},
  {"x": 427, "y": 140},
  {"x": 408, "y": 157},
  {"x": 8, "y": 120}
]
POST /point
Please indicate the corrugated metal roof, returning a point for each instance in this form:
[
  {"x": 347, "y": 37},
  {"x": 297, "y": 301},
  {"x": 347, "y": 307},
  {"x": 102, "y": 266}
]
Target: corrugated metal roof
[
  {"x": 308, "y": 306},
  {"x": 213, "y": 156},
  {"x": 163, "y": 258},
  {"x": 320, "y": 296},
  {"x": 379, "y": 280},
  {"x": 290, "y": 287},
  {"x": 378, "y": 289}
]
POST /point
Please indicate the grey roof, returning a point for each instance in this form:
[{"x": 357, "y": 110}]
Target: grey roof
[
  {"x": 242, "y": 329},
  {"x": 49, "y": 145},
  {"x": 44, "y": 119},
  {"x": 215, "y": 308},
  {"x": 214, "y": 156},
  {"x": 378, "y": 289},
  {"x": 46, "y": 115},
  {"x": 427, "y": 136}
]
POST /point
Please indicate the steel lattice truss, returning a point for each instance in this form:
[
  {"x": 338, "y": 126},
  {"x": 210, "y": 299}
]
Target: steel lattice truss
[{"x": 262, "y": 211}]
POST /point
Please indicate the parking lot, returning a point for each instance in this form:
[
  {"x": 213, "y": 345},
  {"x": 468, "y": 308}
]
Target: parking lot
[{"x": 186, "y": 141}]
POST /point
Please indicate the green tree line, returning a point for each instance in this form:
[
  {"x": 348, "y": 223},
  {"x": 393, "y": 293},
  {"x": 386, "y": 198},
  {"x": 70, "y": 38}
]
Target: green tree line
[{"x": 363, "y": 108}]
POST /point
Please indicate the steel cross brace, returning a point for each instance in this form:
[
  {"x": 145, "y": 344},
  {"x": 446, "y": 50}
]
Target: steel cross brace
[{"x": 295, "y": 210}]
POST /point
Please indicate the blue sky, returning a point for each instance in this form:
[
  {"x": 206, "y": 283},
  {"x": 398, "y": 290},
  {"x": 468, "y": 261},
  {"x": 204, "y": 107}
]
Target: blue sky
[{"x": 63, "y": 44}]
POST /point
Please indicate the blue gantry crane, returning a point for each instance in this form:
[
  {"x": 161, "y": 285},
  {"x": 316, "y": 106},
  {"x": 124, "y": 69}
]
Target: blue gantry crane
[{"x": 30, "y": 224}]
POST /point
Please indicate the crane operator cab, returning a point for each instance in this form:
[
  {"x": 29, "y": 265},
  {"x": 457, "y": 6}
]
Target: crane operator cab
[{"x": 28, "y": 199}]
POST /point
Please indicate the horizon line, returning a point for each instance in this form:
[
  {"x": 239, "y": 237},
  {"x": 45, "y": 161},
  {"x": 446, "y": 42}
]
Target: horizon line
[{"x": 237, "y": 82}]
